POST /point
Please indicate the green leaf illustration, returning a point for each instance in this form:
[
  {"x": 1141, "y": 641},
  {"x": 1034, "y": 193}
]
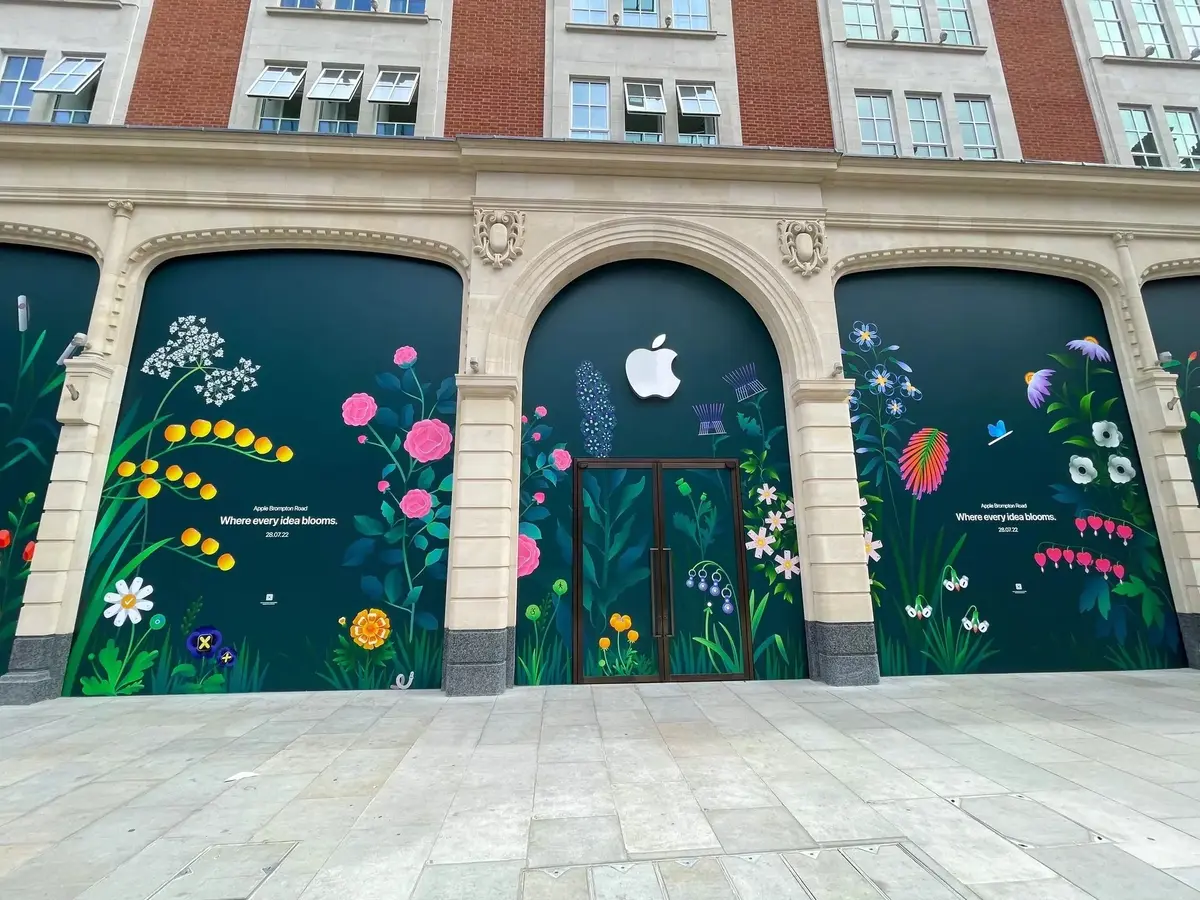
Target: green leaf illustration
[
  {"x": 368, "y": 526},
  {"x": 1085, "y": 404},
  {"x": 1061, "y": 424},
  {"x": 434, "y": 555},
  {"x": 1055, "y": 406},
  {"x": 438, "y": 530}
]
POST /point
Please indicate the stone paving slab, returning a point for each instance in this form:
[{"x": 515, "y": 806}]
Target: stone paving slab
[{"x": 1009, "y": 787}]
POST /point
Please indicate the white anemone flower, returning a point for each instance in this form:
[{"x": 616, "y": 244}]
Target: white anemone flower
[
  {"x": 1083, "y": 471},
  {"x": 1120, "y": 469},
  {"x": 1106, "y": 434},
  {"x": 128, "y": 601}
]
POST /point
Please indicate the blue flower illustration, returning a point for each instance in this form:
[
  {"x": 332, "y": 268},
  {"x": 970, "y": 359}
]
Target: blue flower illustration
[
  {"x": 599, "y": 414},
  {"x": 855, "y": 398},
  {"x": 895, "y": 408},
  {"x": 865, "y": 334},
  {"x": 880, "y": 380},
  {"x": 910, "y": 390}
]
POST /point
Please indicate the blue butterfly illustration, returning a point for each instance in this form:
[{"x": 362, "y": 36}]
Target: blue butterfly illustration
[{"x": 997, "y": 432}]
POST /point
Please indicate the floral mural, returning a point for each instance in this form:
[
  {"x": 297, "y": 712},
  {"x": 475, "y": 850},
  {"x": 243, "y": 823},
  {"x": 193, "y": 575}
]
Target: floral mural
[
  {"x": 1032, "y": 546},
  {"x": 47, "y": 296}
]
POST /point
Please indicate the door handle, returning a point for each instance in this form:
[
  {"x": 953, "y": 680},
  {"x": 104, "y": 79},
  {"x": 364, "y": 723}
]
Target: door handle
[
  {"x": 655, "y": 602},
  {"x": 669, "y": 600}
]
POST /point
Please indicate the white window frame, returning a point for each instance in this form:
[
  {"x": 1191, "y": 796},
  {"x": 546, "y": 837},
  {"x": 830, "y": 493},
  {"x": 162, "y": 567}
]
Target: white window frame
[
  {"x": 691, "y": 15},
  {"x": 643, "y": 18},
  {"x": 930, "y": 146},
  {"x": 14, "y": 107},
  {"x": 266, "y": 88},
  {"x": 65, "y": 68},
  {"x": 1188, "y": 156},
  {"x": 590, "y": 133},
  {"x": 875, "y": 142},
  {"x": 590, "y": 12},
  {"x": 704, "y": 105},
  {"x": 1153, "y": 30},
  {"x": 336, "y": 83},
  {"x": 1111, "y": 21},
  {"x": 1135, "y": 110},
  {"x": 1188, "y": 14},
  {"x": 384, "y": 91},
  {"x": 976, "y": 149},
  {"x": 858, "y": 29},
  {"x": 950, "y": 10},
  {"x": 901, "y": 13},
  {"x": 651, "y": 96}
]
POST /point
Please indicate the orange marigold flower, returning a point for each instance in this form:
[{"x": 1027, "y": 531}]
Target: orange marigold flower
[{"x": 370, "y": 628}]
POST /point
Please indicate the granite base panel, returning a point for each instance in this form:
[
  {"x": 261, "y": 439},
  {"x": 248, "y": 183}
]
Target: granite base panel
[
  {"x": 36, "y": 669},
  {"x": 842, "y": 654},
  {"x": 474, "y": 679},
  {"x": 475, "y": 663},
  {"x": 511, "y": 661},
  {"x": 1189, "y": 629}
]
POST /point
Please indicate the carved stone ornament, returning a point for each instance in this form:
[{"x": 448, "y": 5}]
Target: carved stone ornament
[
  {"x": 803, "y": 245},
  {"x": 499, "y": 235}
]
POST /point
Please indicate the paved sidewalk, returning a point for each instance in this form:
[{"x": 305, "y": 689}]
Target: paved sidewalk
[{"x": 1034, "y": 787}]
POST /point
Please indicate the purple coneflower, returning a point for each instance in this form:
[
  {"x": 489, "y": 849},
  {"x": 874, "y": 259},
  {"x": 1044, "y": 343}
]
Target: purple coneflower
[
  {"x": 1090, "y": 347},
  {"x": 1038, "y": 386}
]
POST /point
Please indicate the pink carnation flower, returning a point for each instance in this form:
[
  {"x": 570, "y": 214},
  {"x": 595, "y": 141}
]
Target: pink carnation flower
[
  {"x": 539, "y": 411},
  {"x": 537, "y": 436},
  {"x": 561, "y": 459},
  {"x": 524, "y": 420},
  {"x": 416, "y": 503},
  {"x": 359, "y": 409},
  {"x": 539, "y": 497},
  {"x": 528, "y": 555},
  {"x": 428, "y": 440},
  {"x": 362, "y": 438},
  {"x": 405, "y": 356},
  {"x": 383, "y": 486}
]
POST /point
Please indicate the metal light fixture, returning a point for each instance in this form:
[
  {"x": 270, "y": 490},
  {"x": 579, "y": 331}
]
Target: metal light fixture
[
  {"x": 895, "y": 33},
  {"x": 943, "y": 37}
]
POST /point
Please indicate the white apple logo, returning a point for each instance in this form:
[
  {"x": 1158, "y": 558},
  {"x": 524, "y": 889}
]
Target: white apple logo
[{"x": 649, "y": 371}]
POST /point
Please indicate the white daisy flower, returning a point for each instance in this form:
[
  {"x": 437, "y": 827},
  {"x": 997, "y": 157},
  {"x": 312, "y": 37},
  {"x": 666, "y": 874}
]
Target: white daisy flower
[
  {"x": 789, "y": 510},
  {"x": 760, "y": 542},
  {"x": 766, "y": 494},
  {"x": 128, "y": 602},
  {"x": 862, "y": 507},
  {"x": 788, "y": 565},
  {"x": 871, "y": 546},
  {"x": 775, "y": 521}
]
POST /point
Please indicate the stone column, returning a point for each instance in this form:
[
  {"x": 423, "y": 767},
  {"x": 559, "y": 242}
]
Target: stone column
[
  {"x": 1158, "y": 419},
  {"x": 87, "y": 414},
  {"x": 839, "y": 616},
  {"x": 483, "y": 527}
]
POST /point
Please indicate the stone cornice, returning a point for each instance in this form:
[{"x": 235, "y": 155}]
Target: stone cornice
[
  {"x": 474, "y": 155},
  {"x": 477, "y": 385}
]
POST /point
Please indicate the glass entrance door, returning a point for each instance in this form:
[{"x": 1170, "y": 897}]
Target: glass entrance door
[{"x": 660, "y": 571}]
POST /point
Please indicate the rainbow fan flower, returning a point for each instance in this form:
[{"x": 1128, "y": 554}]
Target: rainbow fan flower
[{"x": 923, "y": 462}]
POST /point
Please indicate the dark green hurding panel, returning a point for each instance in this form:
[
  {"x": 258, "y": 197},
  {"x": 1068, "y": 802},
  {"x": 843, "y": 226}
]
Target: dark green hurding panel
[
  {"x": 58, "y": 290},
  {"x": 1007, "y": 524},
  {"x": 276, "y": 509},
  {"x": 730, "y": 404},
  {"x": 1173, "y": 306}
]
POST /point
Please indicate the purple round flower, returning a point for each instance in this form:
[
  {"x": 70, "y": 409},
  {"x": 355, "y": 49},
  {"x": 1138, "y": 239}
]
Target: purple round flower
[
  {"x": 226, "y": 657},
  {"x": 203, "y": 642},
  {"x": 727, "y": 608}
]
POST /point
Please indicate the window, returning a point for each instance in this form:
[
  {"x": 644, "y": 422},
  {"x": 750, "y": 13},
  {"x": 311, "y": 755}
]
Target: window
[
  {"x": 279, "y": 115},
  {"x": 1186, "y": 136},
  {"x": 300, "y": 4},
  {"x": 875, "y": 124},
  {"x": 975, "y": 123},
  {"x": 354, "y": 5},
  {"x": 70, "y": 75},
  {"x": 17, "y": 78},
  {"x": 1150, "y": 26},
  {"x": 408, "y": 7},
  {"x": 1108, "y": 28},
  {"x": 589, "y": 12},
  {"x": 589, "y": 110},
  {"x": 640, "y": 13},
  {"x": 74, "y": 109},
  {"x": 338, "y": 85},
  {"x": 906, "y": 16},
  {"x": 928, "y": 132},
  {"x": 645, "y": 110},
  {"x": 1139, "y": 136},
  {"x": 860, "y": 19},
  {"x": 1189, "y": 18},
  {"x": 955, "y": 19},
  {"x": 690, "y": 15},
  {"x": 698, "y": 113},
  {"x": 395, "y": 97},
  {"x": 277, "y": 83}
]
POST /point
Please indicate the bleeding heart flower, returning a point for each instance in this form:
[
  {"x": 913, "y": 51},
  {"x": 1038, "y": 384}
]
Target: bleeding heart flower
[
  {"x": 1069, "y": 556},
  {"x": 1119, "y": 571},
  {"x": 1054, "y": 554},
  {"x": 1095, "y": 522},
  {"x": 1110, "y": 526},
  {"x": 1103, "y": 566},
  {"x": 1040, "y": 559},
  {"x": 1081, "y": 524},
  {"x": 1124, "y": 532},
  {"x": 1085, "y": 559}
]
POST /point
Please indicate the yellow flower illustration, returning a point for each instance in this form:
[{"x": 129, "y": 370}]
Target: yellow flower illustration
[
  {"x": 174, "y": 473},
  {"x": 342, "y": 620},
  {"x": 620, "y": 623},
  {"x": 174, "y": 433},
  {"x": 371, "y": 627},
  {"x": 263, "y": 446},
  {"x": 208, "y": 492},
  {"x": 149, "y": 466},
  {"x": 190, "y": 537},
  {"x": 283, "y": 454},
  {"x": 191, "y": 479},
  {"x": 126, "y": 469},
  {"x": 632, "y": 636},
  {"x": 209, "y": 547},
  {"x": 605, "y": 643},
  {"x": 244, "y": 437},
  {"x": 224, "y": 562},
  {"x": 201, "y": 428},
  {"x": 149, "y": 488}
]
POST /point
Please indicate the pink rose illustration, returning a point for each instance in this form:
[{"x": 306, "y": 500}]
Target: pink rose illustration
[
  {"x": 359, "y": 409},
  {"x": 405, "y": 356},
  {"x": 524, "y": 420},
  {"x": 528, "y": 555},
  {"x": 539, "y": 411},
  {"x": 537, "y": 436},
  {"x": 561, "y": 459},
  {"x": 429, "y": 440},
  {"x": 416, "y": 503},
  {"x": 383, "y": 486},
  {"x": 539, "y": 497},
  {"x": 362, "y": 438}
]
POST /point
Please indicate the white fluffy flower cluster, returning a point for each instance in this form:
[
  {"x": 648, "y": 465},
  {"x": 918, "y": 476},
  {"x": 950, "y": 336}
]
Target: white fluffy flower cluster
[{"x": 192, "y": 346}]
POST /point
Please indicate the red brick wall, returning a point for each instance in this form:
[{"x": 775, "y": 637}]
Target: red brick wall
[
  {"x": 189, "y": 64},
  {"x": 781, "y": 74},
  {"x": 1045, "y": 84},
  {"x": 496, "y": 82}
]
